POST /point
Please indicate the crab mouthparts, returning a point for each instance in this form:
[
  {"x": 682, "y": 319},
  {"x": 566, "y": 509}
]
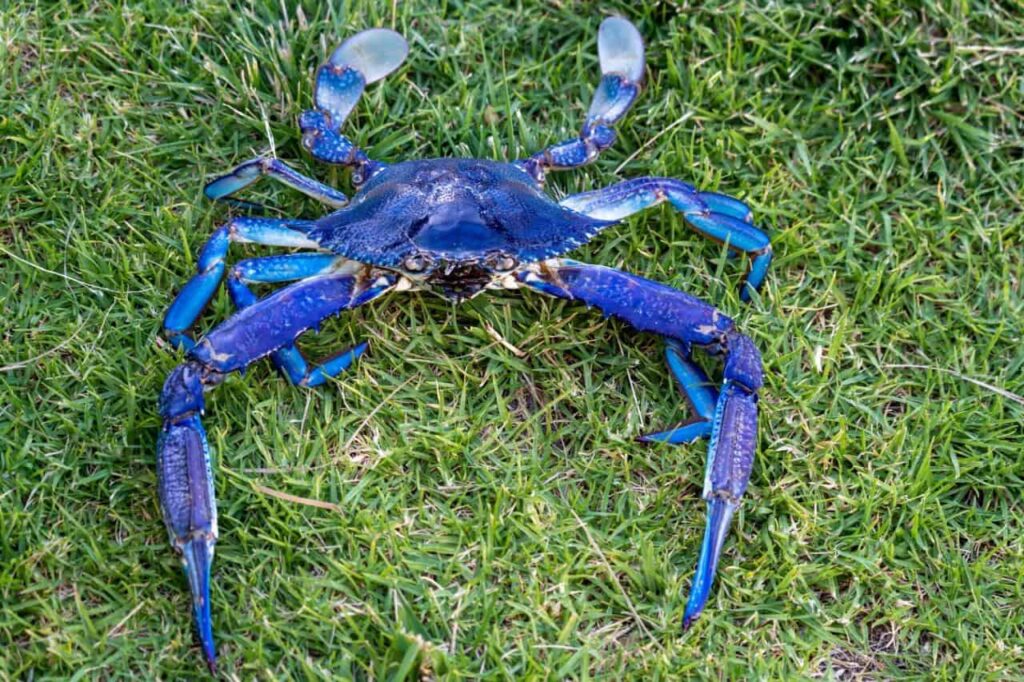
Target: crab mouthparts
[{"x": 459, "y": 280}]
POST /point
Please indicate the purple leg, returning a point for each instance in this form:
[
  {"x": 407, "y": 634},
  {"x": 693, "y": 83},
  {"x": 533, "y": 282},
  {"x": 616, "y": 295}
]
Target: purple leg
[
  {"x": 698, "y": 391},
  {"x": 274, "y": 269},
  {"x": 183, "y": 455},
  {"x": 685, "y": 320},
  {"x": 249, "y": 172}
]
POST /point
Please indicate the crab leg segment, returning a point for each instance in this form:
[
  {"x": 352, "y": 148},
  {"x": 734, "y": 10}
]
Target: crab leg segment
[
  {"x": 716, "y": 216},
  {"x": 186, "y": 487},
  {"x": 251, "y": 171},
  {"x": 277, "y": 320},
  {"x": 197, "y": 292},
  {"x": 621, "y": 52},
  {"x": 273, "y": 269},
  {"x": 362, "y": 59},
  {"x": 684, "y": 320},
  {"x": 698, "y": 391},
  {"x": 183, "y": 454}
]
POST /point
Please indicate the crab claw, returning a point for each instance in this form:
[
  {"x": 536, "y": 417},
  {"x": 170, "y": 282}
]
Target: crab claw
[
  {"x": 197, "y": 557},
  {"x": 191, "y": 515},
  {"x": 730, "y": 459},
  {"x": 719, "y": 513},
  {"x": 186, "y": 489}
]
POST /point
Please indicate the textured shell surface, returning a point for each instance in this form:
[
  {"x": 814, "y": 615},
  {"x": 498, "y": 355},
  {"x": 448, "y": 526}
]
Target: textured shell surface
[{"x": 445, "y": 213}]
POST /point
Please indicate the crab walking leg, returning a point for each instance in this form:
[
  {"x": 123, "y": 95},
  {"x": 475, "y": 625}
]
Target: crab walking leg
[
  {"x": 362, "y": 59},
  {"x": 716, "y": 216},
  {"x": 183, "y": 453},
  {"x": 652, "y": 307},
  {"x": 275, "y": 269},
  {"x": 698, "y": 391},
  {"x": 197, "y": 292},
  {"x": 249, "y": 172},
  {"x": 621, "y": 52}
]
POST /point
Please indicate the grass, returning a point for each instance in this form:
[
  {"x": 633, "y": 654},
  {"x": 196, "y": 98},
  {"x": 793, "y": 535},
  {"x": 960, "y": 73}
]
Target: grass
[{"x": 494, "y": 518}]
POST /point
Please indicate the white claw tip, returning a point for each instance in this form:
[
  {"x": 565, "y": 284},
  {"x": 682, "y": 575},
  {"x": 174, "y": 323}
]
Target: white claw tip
[
  {"x": 621, "y": 48},
  {"x": 374, "y": 53}
]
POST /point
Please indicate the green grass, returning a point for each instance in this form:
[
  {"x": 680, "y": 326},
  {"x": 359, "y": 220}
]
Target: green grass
[{"x": 494, "y": 517}]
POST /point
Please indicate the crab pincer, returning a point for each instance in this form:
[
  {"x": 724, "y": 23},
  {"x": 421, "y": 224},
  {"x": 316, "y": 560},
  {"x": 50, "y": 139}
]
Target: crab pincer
[{"x": 185, "y": 481}]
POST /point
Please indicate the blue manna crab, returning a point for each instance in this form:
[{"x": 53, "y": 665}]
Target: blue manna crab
[{"x": 454, "y": 227}]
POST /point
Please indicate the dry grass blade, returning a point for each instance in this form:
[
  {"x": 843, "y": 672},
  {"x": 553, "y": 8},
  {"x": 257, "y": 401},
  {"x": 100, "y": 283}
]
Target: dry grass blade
[{"x": 288, "y": 497}]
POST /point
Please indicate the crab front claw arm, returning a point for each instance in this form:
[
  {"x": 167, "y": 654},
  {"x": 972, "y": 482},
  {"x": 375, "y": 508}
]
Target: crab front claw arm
[
  {"x": 731, "y": 424},
  {"x": 186, "y": 488},
  {"x": 183, "y": 453}
]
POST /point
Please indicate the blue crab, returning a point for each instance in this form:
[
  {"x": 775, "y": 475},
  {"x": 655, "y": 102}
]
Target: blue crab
[{"x": 455, "y": 227}]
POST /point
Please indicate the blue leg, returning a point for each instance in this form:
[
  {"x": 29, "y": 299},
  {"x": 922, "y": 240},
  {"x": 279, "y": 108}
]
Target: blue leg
[
  {"x": 362, "y": 59},
  {"x": 621, "y": 51},
  {"x": 716, "y": 216},
  {"x": 254, "y": 169},
  {"x": 686, "y": 320},
  {"x": 197, "y": 292},
  {"x": 698, "y": 391},
  {"x": 185, "y": 475},
  {"x": 274, "y": 269}
]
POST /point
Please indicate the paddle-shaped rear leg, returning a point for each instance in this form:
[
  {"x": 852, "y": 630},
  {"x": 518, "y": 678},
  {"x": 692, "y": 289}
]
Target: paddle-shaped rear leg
[
  {"x": 687, "y": 321},
  {"x": 718, "y": 217},
  {"x": 183, "y": 454},
  {"x": 621, "y": 52},
  {"x": 362, "y": 59}
]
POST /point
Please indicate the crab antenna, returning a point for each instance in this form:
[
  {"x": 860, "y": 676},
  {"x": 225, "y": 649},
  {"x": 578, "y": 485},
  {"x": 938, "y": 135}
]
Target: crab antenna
[{"x": 621, "y": 52}]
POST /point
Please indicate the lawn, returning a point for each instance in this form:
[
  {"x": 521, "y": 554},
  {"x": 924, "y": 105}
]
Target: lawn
[{"x": 483, "y": 510}]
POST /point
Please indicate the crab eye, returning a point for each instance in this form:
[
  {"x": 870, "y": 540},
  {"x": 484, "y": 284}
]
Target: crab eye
[{"x": 416, "y": 263}]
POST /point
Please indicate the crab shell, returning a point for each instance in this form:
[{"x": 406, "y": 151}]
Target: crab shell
[{"x": 454, "y": 226}]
